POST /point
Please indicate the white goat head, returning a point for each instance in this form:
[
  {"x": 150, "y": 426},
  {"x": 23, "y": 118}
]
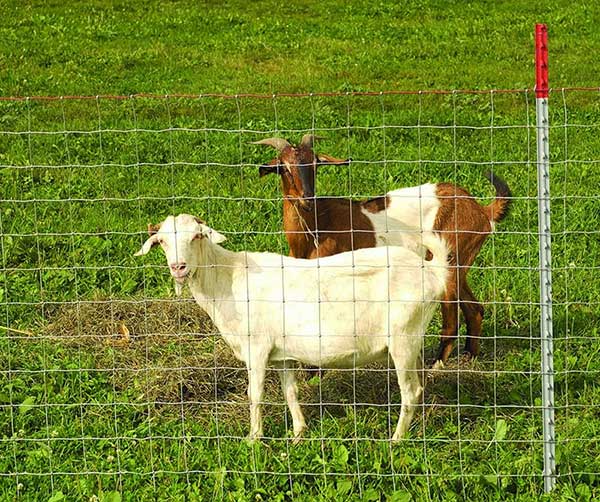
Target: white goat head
[{"x": 181, "y": 239}]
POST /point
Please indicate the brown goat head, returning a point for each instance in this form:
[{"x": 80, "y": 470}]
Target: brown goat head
[{"x": 297, "y": 167}]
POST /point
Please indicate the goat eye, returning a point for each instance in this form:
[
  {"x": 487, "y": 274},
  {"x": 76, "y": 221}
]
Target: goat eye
[{"x": 197, "y": 236}]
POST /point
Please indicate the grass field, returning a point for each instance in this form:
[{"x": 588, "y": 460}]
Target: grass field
[{"x": 87, "y": 411}]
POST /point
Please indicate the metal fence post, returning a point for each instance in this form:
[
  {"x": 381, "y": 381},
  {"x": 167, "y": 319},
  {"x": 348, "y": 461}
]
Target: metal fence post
[{"x": 543, "y": 193}]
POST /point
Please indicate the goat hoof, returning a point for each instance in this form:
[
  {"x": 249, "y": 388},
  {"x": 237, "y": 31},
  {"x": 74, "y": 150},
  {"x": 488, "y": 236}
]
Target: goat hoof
[
  {"x": 438, "y": 365},
  {"x": 467, "y": 357},
  {"x": 435, "y": 370},
  {"x": 252, "y": 439},
  {"x": 397, "y": 438},
  {"x": 298, "y": 435}
]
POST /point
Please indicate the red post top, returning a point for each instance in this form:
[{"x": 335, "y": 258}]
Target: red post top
[{"x": 541, "y": 61}]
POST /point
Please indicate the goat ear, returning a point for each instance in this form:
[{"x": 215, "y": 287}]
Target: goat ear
[
  {"x": 215, "y": 237},
  {"x": 327, "y": 160},
  {"x": 205, "y": 232},
  {"x": 270, "y": 168},
  {"x": 148, "y": 245}
]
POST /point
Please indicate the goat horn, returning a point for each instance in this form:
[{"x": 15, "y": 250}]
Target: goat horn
[
  {"x": 309, "y": 140},
  {"x": 278, "y": 143}
]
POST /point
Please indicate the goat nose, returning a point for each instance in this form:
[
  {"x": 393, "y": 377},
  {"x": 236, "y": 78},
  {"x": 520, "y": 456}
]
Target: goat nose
[{"x": 178, "y": 267}]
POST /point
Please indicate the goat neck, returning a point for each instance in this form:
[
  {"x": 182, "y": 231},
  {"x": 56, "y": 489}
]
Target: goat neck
[
  {"x": 213, "y": 279},
  {"x": 300, "y": 228}
]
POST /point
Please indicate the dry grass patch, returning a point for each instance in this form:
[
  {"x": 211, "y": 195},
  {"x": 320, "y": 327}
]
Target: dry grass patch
[{"x": 169, "y": 354}]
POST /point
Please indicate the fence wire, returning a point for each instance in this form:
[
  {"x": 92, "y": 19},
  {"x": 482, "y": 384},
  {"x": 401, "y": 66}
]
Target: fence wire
[{"x": 108, "y": 381}]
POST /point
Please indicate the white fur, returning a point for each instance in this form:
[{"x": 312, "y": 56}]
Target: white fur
[
  {"x": 410, "y": 212},
  {"x": 340, "y": 311}
]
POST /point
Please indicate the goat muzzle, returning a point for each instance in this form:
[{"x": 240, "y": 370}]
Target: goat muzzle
[{"x": 179, "y": 271}]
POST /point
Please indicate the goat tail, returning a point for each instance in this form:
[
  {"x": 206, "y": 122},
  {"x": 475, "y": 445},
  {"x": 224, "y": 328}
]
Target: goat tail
[
  {"x": 497, "y": 210},
  {"x": 438, "y": 257}
]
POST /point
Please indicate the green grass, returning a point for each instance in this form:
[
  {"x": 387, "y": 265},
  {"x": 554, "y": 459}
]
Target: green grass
[
  {"x": 275, "y": 46},
  {"x": 82, "y": 416}
]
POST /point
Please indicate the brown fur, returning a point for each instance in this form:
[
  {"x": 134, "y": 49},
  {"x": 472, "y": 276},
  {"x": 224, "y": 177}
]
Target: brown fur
[
  {"x": 330, "y": 222},
  {"x": 377, "y": 204},
  {"x": 465, "y": 225},
  {"x": 324, "y": 226}
]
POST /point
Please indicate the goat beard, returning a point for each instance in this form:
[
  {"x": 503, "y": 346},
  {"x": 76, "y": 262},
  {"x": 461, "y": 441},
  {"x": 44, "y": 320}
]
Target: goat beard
[
  {"x": 179, "y": 282},
  {"x": 178, "y": 288}
]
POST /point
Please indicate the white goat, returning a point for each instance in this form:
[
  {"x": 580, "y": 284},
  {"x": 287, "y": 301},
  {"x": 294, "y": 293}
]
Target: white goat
[{"x": 342, "y": 311}]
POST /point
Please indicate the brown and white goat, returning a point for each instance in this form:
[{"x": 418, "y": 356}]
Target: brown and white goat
[{"x": 323, "y": 226}]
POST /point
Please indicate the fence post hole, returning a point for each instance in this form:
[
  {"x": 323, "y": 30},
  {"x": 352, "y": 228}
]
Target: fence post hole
[{"x": 543, "y": 194}]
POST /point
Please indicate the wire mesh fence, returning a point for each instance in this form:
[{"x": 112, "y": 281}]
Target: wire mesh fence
[{"x": 109, "y": 382}]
